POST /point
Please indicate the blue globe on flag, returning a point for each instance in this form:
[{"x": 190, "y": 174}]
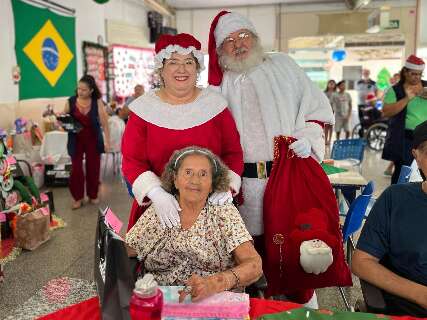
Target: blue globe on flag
[{"x": 50, "y": 54}]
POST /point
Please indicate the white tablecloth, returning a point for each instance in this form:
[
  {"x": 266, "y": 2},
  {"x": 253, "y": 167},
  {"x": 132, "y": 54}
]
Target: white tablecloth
[{"x": 54, "y": 147}]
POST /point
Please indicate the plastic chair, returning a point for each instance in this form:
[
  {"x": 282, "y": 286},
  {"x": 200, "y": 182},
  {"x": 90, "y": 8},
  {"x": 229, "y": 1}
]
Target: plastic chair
[
  {"x": 353, "y": 223},
  {"x": 367, "y": 190},
  {"x": 405, "y": 174},
  {"x": 349, "y": 149}
]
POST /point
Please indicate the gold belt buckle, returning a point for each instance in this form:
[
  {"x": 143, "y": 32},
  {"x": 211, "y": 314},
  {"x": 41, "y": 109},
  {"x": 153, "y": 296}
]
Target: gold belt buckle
[{"x": 261, "y": 169}]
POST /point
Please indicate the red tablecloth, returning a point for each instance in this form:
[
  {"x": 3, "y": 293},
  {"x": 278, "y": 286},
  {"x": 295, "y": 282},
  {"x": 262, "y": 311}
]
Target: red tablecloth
[{"x": 89, "y": 310}]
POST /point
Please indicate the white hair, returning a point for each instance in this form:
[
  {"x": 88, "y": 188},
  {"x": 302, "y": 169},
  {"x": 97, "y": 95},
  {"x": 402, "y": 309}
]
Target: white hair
[{"x": 254, "y": 58}]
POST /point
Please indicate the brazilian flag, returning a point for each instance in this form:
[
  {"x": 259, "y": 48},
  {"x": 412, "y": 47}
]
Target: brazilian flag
[{"x": 45, "y": 51}]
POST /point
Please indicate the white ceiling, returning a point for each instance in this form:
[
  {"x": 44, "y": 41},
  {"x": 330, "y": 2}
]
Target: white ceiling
[{"x": 185, "y": 4}]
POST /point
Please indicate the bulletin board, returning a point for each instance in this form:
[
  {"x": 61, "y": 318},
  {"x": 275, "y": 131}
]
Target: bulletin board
[
  {"x": 132, "y": 66},
  {"x": 95, "y": 64}
]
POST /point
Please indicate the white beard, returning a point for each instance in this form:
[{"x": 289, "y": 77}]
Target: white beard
[{"x": 254, "y": 58}]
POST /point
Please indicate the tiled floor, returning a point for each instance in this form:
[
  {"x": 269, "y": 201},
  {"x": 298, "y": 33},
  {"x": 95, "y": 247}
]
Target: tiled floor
[{"x": 70, "y": 251}]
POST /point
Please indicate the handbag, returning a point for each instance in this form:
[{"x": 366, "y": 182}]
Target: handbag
[
  {"x": 32, "y": 229},
  {"x": 299, "y": 205}
]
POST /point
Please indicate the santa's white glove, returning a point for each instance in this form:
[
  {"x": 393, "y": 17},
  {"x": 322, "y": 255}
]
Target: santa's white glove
[
  {"x": 221, "y": 198},
  {"x": 166, "y": 207},
  {"x": 301, "y": 147},
  {"x": 315, "y": 256}
]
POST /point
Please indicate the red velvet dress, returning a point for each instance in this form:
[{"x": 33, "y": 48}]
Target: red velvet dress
[{"x": 150, "y": 137}]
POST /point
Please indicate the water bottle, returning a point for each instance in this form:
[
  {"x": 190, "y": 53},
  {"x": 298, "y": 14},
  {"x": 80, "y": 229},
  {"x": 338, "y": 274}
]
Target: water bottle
[{"x": 147, "y": 300}]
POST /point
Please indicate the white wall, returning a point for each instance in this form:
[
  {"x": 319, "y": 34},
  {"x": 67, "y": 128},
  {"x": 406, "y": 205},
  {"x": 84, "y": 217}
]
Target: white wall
[
  {"x": 90, "y": 23},
  {"x": 197, "y": 22}
]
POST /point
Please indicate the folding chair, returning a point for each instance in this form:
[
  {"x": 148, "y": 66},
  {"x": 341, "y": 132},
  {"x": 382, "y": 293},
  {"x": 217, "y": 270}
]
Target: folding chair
[
  {"x": 349, "y": 149},
  {"x": 353, "y": 223},
  {"x": 114, "y": 272},
  {"x": 405, "y": 174}
]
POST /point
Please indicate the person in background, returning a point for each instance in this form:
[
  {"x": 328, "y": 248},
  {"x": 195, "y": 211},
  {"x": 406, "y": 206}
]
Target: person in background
[
  {"x": 392, "y": 249},
  {"x": 87, "y": 108},
  {"x": 364, "y": 87},
  {"x": 331, "y": 88},
  {"x": 211, "y": 251},
  {"x": 342, "y": 105},
  {"x": 137, "y": 92},
  {"x": 405, "y": 110},
  {"x": 177, "y": 115}
]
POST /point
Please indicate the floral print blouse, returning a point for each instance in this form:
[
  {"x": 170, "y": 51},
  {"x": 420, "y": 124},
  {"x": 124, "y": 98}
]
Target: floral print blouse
[{"x": 173, "y": 255}]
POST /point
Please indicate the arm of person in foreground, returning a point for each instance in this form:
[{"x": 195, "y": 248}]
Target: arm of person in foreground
[
  {"x": 248, "y": 269},
  {"x": 391, "y": 109},
  {"x": 103, "y": 117},
  {"x": 368, "y": 268}
]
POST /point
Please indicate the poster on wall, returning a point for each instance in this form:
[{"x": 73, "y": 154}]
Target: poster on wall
[
  {"x": 45, "y": 49},
  {"x": 94, "y": 63},
  {"x": 132, "y": 66}
]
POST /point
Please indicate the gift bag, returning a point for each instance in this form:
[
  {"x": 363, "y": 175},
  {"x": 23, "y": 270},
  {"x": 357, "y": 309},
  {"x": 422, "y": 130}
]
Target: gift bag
[
  {"x": 299, "y": 205},
  {"x": 32, "y": 229},
  {"x": 115, "y": 273}
]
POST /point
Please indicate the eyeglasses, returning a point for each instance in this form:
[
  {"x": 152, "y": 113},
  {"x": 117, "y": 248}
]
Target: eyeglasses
[
  {"x": 173, "y": 64},
  {"x": 242, "y": 36},
  {"x": 187, "y": 174}
]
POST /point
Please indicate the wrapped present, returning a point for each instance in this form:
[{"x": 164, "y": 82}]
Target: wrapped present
[
  {"x": 224, "y": 305},
  {"x": 32, "y": 228}
]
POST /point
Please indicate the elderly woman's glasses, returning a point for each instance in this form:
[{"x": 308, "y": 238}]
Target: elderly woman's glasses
[
  {"x": 190, "y": 173},
  {"x": 242, "y": 36},
  {"x": 174, "y": 64}
]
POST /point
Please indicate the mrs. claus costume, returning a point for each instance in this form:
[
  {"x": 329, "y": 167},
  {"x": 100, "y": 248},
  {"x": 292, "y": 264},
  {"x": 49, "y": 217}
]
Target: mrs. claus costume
[
  {"x": 274, "y": 98},
  {"x": 156, "y": 129}
]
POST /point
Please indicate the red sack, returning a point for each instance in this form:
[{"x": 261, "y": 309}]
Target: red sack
[{"x": 299, "y": 205}]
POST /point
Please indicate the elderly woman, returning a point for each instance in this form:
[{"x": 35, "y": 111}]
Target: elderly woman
[
  {"x": 212, "y": 250},
  {"x": 176, "y": 116}
]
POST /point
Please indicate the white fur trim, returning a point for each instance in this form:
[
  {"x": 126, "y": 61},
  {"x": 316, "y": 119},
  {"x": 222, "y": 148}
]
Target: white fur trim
[
  {"x": 172, "y": 48},
  {"x": 314, "y": 133},
  {"x": 229, "y": 23},
  {"x": 143, "y": 184},
  {"x": 413, "y": 66},
  {"x": 152, "y": 109},
  {"x": 235, "y": 181}
]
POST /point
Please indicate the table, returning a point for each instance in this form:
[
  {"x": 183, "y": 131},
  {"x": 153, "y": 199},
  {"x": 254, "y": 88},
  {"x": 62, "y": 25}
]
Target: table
[
  {"x": 348, "y": 182},
  {"x": 89, "y": 310}
]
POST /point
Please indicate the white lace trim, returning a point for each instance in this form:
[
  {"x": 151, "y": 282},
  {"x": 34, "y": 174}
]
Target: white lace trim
[
  {"x": 167, "y": 52},
  {"x": 152, "y": 109}
]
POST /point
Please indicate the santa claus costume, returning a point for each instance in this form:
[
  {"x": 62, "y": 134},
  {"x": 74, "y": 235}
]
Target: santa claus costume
[
  {"x": 273, "y": 98},
  {"x": 156, "y": 129}
]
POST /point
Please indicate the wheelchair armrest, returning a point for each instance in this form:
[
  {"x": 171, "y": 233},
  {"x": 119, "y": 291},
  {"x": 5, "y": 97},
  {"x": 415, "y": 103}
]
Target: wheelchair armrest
[{"x": 373, "y": 297}]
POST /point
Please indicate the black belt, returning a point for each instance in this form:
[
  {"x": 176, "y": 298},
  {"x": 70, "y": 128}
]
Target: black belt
[{"x": 260, "y": 170}]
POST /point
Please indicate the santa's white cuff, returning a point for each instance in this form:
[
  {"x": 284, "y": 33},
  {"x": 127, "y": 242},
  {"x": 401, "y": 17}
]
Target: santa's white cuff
[
  {"x": 235, "y": 181},
  {"x": 143, "y": 184}
]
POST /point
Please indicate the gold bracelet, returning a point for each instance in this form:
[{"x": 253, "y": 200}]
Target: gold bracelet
[{"x": 237, "y": 284}]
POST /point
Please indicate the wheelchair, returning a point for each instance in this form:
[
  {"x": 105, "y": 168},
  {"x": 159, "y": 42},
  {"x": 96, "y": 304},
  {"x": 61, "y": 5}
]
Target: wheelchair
[{"x": 373, "y": 127}]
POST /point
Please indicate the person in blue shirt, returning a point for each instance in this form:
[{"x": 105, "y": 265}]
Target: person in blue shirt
[{"x": 391, "y": 252}]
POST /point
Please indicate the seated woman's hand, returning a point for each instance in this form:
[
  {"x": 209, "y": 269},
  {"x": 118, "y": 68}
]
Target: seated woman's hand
[{"x": 201, "y": 287}]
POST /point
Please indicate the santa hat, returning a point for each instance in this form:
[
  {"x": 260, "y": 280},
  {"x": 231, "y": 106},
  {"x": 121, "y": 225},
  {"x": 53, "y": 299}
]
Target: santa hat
[
  {"x": 222, "y": 26},
  {"x": 414, "y": 63},
  {"x": 181, "y": 43},
  {"x": 371, "y": 97}
]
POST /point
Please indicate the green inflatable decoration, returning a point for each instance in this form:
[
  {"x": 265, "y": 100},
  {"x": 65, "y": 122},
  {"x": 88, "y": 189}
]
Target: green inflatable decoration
[
  {"x": 383, "y": 79},
  {"x": 101, "y": 1}
]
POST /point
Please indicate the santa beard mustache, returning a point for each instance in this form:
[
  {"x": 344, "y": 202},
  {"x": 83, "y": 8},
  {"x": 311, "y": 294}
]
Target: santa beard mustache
[{"x": 254, "y": 58}]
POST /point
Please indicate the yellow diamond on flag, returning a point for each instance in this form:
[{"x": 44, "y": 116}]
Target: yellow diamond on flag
[{"x": 49, "y": 53}]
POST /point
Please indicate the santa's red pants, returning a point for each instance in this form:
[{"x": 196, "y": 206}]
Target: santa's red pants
[
  {"x": 85, "y": 146},
  {"x": 294, "y": 295}
]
